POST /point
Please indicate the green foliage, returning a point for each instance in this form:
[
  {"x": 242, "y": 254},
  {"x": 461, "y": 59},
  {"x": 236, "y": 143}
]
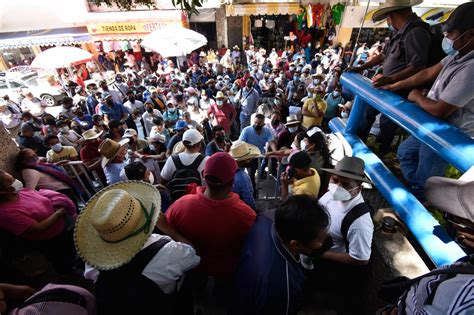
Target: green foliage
[{"x": 190, "y": 6}]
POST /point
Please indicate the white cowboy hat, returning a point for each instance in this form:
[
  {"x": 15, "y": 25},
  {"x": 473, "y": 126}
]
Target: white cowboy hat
[
  {"x": 392, "y": 5},
  {"x": 115, "y": 224},
  {"x": 241, "y": 151},
  {"x": 110, "y": 148}
]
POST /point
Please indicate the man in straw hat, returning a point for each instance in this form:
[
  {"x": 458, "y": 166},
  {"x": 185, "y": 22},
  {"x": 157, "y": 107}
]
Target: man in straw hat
[
  {"x": 222, "y": 113},
  {"x": 450, "y": 98},
  {"x": 113, "y": 158},
  {"x": 447, "y": 286},
  {"x": 219, "y": 239},
  {"x": 408, "y": 52},
  {"x": 344, "y": 266},
  {"x": 113, "y": 235},
  {"x": 243, "y": 153}
]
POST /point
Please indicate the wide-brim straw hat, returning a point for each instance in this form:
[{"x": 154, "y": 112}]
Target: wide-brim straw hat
[
  {"x": 292, "y": 120},
  {"x": 349, "y": 167},
  {"x": 241, "y": 151},
  {"x": 220, "y": 95},
  {"x": 115, "y": 224},
  {"x": 110, "y": 148},
  {"x": 392, "y": 5},
  {"x": 91, "y": 134}
]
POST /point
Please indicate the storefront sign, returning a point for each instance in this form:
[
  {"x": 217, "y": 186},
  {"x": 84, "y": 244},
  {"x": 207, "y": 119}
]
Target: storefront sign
[{"x": 128, "y": 27}]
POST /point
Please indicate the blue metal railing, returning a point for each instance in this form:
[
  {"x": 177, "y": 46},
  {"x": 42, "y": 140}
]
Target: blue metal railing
[{"x": 448, "y": 141}]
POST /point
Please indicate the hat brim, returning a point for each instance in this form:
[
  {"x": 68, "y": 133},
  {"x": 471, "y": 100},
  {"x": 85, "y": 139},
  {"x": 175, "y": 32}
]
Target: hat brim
[
  {"x": 253, "y": 153},
  {"x": 106, "y": 161},
  {"x": 99, "y": 254},
  {"x": 292, "y": 123},
  {"x": 381, "y": 14},
  {"x": 347, "y": 175},
  {"x": 444, "y": 194},
  {"x": 94, "y": 137}
]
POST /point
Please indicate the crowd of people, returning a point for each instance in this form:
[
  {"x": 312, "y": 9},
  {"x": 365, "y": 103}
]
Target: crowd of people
[{"x": 172, "y": 160}]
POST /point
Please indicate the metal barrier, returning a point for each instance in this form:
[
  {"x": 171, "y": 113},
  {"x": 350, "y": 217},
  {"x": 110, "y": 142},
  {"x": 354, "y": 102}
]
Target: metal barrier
[
  {"x": 76, "y": 169},
  {"x": 271, "y": 180},
  {"x": 448, "y": 141}
]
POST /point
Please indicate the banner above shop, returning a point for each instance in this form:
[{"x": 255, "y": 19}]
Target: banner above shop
[
  {"x": 108, "y": 30},
  {"x": 262, "y": 9}
]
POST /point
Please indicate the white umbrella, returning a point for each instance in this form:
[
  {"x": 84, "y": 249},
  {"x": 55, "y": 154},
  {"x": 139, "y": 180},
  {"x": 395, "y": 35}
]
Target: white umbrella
[
  {"x": 60, "y": 57},
  {"x": 174, "y": 41}
]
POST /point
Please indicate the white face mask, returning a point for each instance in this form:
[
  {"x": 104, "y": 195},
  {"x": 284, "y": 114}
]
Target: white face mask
[
  {"x": 17, "y": 185},
  {"x": 344, "y": 115},
  {"x": 293, "y": 129},
  {"x": 151, "y": 178},
  {"x": 316, "y": 81},
  {"x": 339, "y": 193},
  {"x": 219, "y": 103},
  {"x": 56, "y": 147}
]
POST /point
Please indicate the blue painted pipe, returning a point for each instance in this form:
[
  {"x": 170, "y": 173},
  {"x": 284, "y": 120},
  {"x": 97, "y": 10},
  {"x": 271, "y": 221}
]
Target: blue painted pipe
[
  {"x": 432, "y": 237},
  {"x": 453, "y": 145}
]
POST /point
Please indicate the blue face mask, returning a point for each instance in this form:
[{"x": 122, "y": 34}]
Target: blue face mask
[
  {"x": 296, "y": 78},
  {"x": 448, "y": 47},
  {"x": 391, "y": 28}
]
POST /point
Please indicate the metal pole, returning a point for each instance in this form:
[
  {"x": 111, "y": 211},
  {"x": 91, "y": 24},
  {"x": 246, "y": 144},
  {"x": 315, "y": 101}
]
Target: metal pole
[{"x": 358, "y": 34}]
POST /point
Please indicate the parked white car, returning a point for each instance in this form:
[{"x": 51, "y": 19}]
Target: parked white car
[{"x": 12, "y": 83}]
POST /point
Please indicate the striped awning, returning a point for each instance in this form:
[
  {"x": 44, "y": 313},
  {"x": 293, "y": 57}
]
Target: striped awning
[
  {"x": 262, "y": 9},
  {"x": 52, "y": 37}
]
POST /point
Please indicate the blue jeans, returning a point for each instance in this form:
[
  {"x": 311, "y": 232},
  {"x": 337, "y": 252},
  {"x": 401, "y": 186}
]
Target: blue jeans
[
  {"x": 244, "y": 121},
  {"x": 418, "y": 162}
]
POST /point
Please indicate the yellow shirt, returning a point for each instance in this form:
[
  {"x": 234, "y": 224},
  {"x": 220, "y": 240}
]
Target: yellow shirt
[
  {"x": 64, "y": 155},
  {"x": 310, "y": 105},
  {"x": 307, "y": 186}
]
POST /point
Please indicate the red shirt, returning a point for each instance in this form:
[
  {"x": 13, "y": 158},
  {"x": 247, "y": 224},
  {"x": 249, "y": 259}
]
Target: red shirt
[
  {"x": 35, "y": 206},
  {"x": 217, "y": 229},
  {"x": 89, "y": 152},
  {"x": 223, "y": 115}
]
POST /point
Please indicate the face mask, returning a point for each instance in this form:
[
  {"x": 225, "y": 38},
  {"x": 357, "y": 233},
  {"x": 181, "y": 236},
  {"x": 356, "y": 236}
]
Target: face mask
[
  {"x": 220, "y": 138},
  {"x": 316, "y": 81},
  {"x": 293, "y": 129},
  {"x": 391, "y": 28},
  {"x": 56, "y": 147},
  {"x": 64, "y": 129},
  {"x": 275, "y": 122},
  {"x": 151, "y": 178},
  {"x": 152, "y": 147},
  {"x": 303, "y": 145},
  {"x": 295, "y": 78},
  {"x": 344, "y": 115},
  {"x": 17, "y": 185},
  {"x": 227, "y": 81},
  {"x": 149, "y": 110},
  {"x": 219, "y": 103},
  {"x": 258, "y": 127},
  {"x": 172, "y": 110},
  {"x": 339, "y": 193},
  {"x": 335, "y": 93},
  {"x": 448, "y": 47}
]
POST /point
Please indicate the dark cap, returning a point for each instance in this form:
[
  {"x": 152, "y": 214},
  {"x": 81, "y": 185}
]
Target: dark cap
[
  {"x": 300, "y": 160},
  {"x": 461, "y": 19}
]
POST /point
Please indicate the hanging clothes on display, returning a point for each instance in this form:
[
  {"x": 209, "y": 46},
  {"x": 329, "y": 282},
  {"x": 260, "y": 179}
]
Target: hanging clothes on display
[{"x": 337, "y": 11}]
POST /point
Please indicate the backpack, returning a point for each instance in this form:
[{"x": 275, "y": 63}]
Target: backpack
[
  {"x": 184, "y": 176},
  {"x": 355, "y": 213},
  {"x": 436, "y": 52}
]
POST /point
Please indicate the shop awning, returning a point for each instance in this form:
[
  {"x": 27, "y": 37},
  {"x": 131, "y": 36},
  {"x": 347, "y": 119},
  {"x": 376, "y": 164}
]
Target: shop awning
[
  {"x": 262, "y": 9},
  {"x": 51, "y": 37},
  {"x": 106, "y": 27}
]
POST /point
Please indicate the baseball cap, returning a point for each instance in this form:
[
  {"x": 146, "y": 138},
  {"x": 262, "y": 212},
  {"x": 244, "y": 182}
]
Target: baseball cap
[
  {"x": 461, "y": 19},
  {"x": 300, "y": 159},
  {"x": 220, "y": 166},
  {"x": 180, "y": 125},
  {"x": 128, "y": 133},
  {"x": 106, "y": 95},
  {"x": 192, "y": 137}
]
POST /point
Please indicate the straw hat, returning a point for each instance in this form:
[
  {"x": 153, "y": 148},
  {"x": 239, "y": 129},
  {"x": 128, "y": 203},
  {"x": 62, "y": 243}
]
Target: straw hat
[
  {"x": 393, "y": 5},
  {"x": 292, "y": 120},
  {"x": 91, "y": 134},
  {"x": 109, "y": 149},
  {"x": 241, "y": 151},
  {"x": 220, "y": 95},
  {"x": 116, "y": 223}
]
